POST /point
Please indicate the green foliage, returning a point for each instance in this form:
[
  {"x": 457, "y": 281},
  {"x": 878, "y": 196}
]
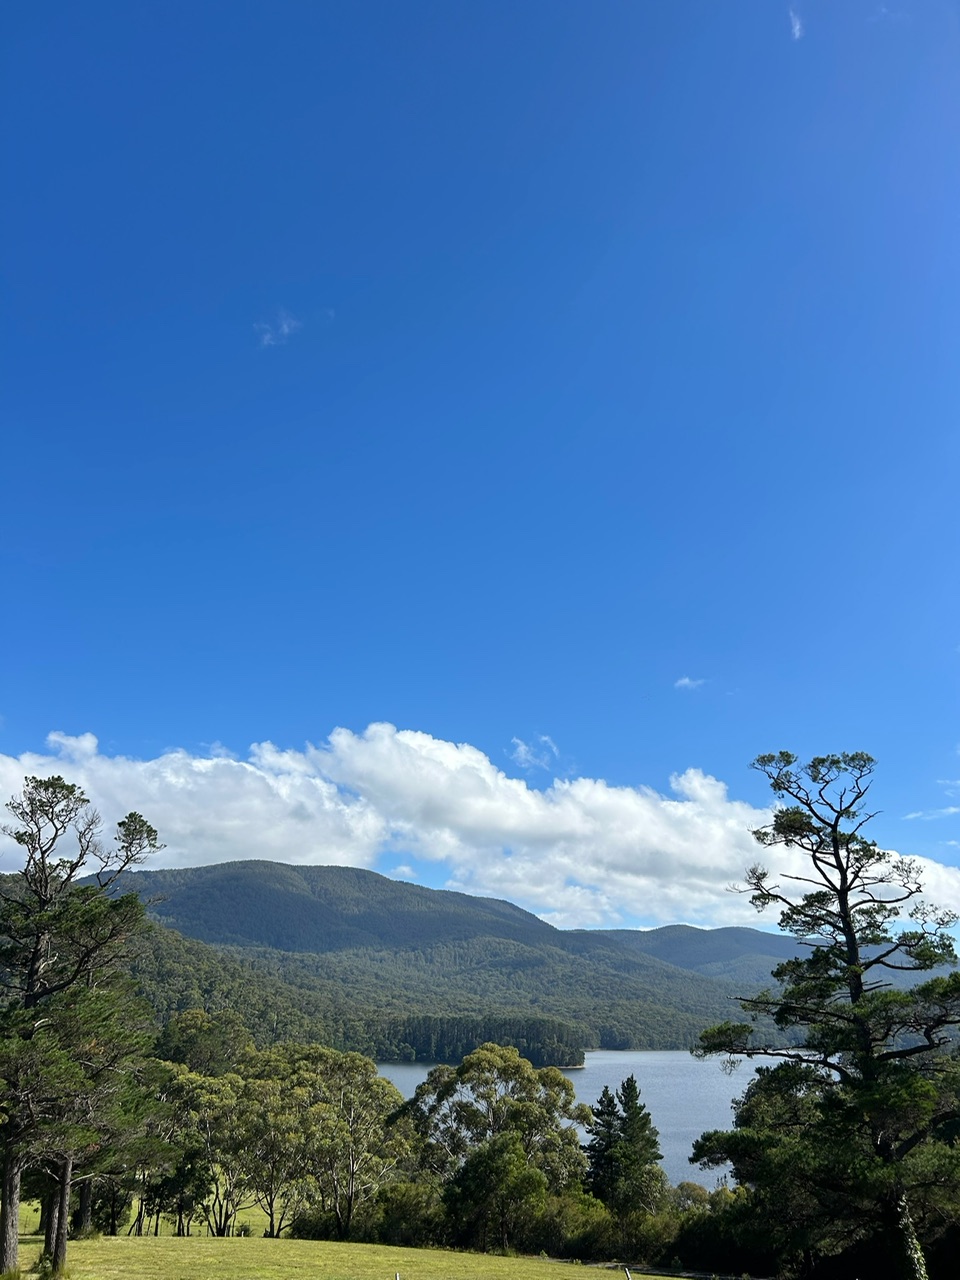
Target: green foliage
[
  {"x": 408, "y": 1213},
  {"x": 576, "y": 1226},
  {"x": 214, "y": 1115},
  {"x": 400, "y": 972},
  {"x": 623, "y": 1151},
  {"x": 210, "y": 1044},
  {"x": 851, "y": 1138},
  {"x": 70, "y": 1034},
  {"x": 495, "y": 1193},
  {"x": 307, "y": 1133},
  {"x": 494, "y": 1091},
  {"x": 499, "y": 1134},
  {"x": 604, "y": 1131},
  {"x": 353, "y": 1144}
]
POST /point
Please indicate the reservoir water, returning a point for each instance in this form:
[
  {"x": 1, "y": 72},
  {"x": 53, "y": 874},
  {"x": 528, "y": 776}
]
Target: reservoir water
[{"x": 684, "y": 1097}]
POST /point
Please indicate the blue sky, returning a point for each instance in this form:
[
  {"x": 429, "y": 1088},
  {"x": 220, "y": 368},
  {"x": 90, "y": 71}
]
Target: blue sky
[{"x": 487, "y": 371}]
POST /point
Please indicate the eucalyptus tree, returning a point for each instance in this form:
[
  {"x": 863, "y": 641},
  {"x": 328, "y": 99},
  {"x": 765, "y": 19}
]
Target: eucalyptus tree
[
  {"x": 214, "y": 1112},
  {"x": 274, "y": 1131},
  {"x": 850, "y": 1136},
  {"x": 496, "y": 1121},
  {"x": 356, "y": 1138}
]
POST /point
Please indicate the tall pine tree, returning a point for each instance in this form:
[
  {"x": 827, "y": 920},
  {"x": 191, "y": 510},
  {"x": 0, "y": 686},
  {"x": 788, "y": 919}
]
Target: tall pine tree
[{"x": 623, "y": 1153}]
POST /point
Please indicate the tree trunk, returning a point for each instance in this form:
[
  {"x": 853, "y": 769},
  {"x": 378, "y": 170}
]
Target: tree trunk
[
  {"x": 63, "y": 1217},
  {"x": 136, "y": 1228},
  {"x": 10, "y": 1210},
  {"x": 114, "y": 1211},
  {"x": 49, "y": 1213},
  {"x": 84, "y": 1217}
]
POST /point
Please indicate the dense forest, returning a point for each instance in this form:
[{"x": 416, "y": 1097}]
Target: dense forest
[
  {"x": 399, "y": 971},
  {"x": 278, "y": 1000}
]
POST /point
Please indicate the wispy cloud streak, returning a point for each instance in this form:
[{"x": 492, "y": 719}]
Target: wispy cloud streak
[
  {"x": 540, "y": 754},
  {"x": 276, "y": 334}
]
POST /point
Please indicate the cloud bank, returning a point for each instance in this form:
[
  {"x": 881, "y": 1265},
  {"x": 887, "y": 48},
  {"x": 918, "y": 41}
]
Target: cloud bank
[{"x": 579, "y": 852}]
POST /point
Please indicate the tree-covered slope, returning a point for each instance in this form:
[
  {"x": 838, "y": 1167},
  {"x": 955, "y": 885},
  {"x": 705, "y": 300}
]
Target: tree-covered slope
[
  {"x": 321, "y": 909},
  {"x": 379, "y": 953},
  {"x": 278, "y": 1001}
]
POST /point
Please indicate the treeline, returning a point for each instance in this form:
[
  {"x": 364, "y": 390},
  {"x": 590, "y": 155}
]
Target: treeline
[
  {"x": 603, "y": 997},
  {"x": 487, "y": 1155},
  {"x": 543, "y": 1041}
]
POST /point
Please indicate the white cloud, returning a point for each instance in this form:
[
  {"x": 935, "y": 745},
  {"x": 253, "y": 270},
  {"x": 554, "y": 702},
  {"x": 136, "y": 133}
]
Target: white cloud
[
  {"x": 580, "y": 852},
  {"x": 541, "y": 754},
  {"x": 276, "y": 334},
  {"x": 796, "y": 25},
  {"x": 687, "y": 682},
  {"x": 214, "y": 808},
  {"x": 927, "y": 815}
]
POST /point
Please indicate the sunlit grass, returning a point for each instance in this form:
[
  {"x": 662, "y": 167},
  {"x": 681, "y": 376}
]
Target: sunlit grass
[{"x": 200, "y": 1257}]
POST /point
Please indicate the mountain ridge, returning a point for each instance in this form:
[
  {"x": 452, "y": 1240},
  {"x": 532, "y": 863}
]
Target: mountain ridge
[
  {"x": 326, "y": 908},
  {"x": 400, "y": 955}
]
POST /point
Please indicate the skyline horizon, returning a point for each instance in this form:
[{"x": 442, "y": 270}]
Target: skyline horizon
[{"x": 577, "y": 852}]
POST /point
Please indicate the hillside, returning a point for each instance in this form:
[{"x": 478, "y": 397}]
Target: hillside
[
  {"x": 402, "y": 971},
  {"x": 744, "y": 957},
  {"x": 322, "y": 909}
]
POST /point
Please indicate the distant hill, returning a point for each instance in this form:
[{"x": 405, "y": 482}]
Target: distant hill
[
  {"x": 744, "y": 957},
  {"x": 404, "y": 971},
  {"x": 322, "y": 909}
]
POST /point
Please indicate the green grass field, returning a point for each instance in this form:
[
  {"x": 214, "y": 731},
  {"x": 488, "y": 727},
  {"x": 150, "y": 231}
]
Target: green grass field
[{"x": 203, "y": 1258}]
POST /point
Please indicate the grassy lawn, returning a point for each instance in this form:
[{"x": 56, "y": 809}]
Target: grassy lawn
[{"x": 200, "y": 1258}]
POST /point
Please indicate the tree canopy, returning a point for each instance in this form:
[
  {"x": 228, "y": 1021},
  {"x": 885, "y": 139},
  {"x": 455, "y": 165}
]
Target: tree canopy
[
  {"x": 623, "y": 1152},
  {"x": 65, "y": 1041},
  {"x": 849, "y": 1138}
]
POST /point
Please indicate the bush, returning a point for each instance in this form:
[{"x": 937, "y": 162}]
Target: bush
[
  {"x": 575, "y": 1226},
  {"x": 313, "y": 1224},
  {"x": 407, "y": 1213}
]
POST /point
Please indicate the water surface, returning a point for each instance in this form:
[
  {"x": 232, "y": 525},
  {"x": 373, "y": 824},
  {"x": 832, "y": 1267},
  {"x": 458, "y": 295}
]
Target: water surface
[{"x": 685, "y": 1097}]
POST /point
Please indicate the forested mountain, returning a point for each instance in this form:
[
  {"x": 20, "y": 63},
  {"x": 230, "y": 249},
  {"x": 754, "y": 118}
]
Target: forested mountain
[
  {"x": 396, "y": 970},
  {"x": 321, "y": 909}
]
